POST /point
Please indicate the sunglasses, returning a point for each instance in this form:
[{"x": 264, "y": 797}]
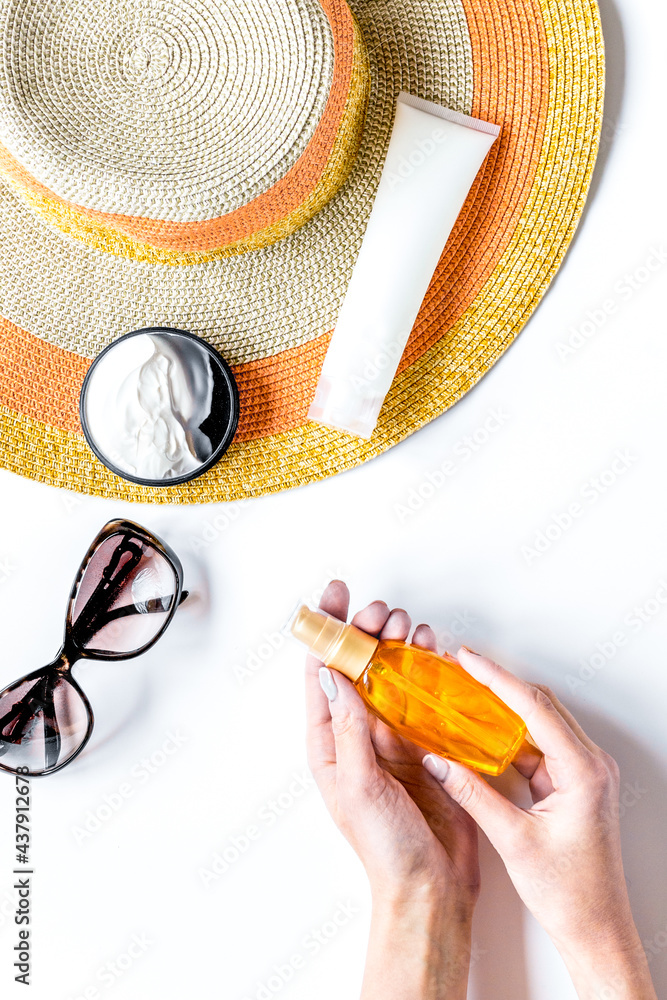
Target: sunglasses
[{"x": 123, "y": 598}]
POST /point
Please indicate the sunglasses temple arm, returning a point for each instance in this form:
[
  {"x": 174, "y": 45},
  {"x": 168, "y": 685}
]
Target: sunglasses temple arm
[
  {"x": 88, "y": 622},
  {"x": 22, "y": 710},
  {"x": 52, "y": 741},
  {"x": 19, "y": 716},
  {"x": 39, "y": 696},
  {"x": 151, "y": 608}
]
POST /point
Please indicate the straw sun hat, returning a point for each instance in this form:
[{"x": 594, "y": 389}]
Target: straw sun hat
[{"x": 210, "y": 165}]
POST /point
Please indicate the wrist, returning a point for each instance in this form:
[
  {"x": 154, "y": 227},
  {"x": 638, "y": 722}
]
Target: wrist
[
  {"x": 419, "y": 946},
  {"x": 423, "y": 895},
  {"x": 609, "y": 963}
]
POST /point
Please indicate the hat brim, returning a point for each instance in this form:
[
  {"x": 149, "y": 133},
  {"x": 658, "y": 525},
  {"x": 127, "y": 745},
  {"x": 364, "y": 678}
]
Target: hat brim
[{"x": 536, "y": 69}]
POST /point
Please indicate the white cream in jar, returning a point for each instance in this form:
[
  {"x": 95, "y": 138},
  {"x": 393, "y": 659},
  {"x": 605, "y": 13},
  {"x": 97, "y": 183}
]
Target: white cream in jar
[{"x": 147, "y": 406}]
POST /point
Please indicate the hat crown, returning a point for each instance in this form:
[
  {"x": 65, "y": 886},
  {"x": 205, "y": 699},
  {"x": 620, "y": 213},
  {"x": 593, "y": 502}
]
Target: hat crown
[
  {"x": 162, "y": 110},
  {"x": 148, "y": 59}
]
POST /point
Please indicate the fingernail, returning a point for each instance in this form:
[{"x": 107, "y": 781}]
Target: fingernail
[
  {"x": 467, "y": 649},
  {"x": 436, "y": 766},
  {"x": 328, "y": 684}
]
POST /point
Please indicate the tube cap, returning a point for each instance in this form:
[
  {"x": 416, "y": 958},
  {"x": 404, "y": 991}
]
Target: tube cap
[{"x": 343, "y": 647}]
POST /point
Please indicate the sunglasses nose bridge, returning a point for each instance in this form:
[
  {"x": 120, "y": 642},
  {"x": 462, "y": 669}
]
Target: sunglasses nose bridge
[{"x": 64, "y": 661}]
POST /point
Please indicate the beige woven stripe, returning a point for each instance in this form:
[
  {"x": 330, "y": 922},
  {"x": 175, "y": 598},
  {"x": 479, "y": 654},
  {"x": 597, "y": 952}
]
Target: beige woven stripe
[
  {"x": 265, "y": 301},
  {"x": 170, "y": 110}
]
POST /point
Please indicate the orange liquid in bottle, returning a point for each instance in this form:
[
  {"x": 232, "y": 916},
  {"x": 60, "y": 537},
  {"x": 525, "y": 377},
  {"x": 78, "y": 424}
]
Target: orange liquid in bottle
[
  {"x": 432, "y": 701},
  {"x": 429, "y": 699}
]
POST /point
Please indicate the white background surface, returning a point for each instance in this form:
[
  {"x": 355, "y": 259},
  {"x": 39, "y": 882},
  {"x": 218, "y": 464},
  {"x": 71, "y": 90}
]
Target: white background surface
[{"x": 460, "y": 557}]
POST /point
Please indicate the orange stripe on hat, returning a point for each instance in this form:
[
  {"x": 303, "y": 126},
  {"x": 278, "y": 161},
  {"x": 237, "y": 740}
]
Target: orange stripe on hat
[
  {"x": 44, "y": 382},
  {"x": 40, "y": 380},
  {"x": 485, "y": 226}
]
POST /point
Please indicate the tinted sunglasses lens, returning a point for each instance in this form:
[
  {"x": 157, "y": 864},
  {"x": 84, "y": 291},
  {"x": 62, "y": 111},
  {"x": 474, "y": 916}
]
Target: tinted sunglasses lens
[
  {"x": 124, "y": 597},
  {"x": 43, "y": 722}
]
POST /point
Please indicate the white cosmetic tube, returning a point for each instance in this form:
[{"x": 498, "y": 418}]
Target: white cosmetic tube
[{"x": 433, "y": 158}]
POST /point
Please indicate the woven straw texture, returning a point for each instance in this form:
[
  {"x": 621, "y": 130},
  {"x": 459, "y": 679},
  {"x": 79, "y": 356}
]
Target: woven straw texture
[
  {"x": 180, "y": 138},
  {"x": 534, "y": 67}
]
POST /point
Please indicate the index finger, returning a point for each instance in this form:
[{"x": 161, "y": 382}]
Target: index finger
[
  {"x": 550, "y": 731},
  {"x": 319, "y": 736}
]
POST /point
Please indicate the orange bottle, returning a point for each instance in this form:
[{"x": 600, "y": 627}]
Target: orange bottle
[{"x": 427, "y": 698}]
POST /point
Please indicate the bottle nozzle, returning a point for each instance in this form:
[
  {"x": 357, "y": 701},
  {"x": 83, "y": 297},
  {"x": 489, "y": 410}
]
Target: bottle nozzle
[
  {"x": 310, "y": 628},
  {"x": 336, "y": 644}
]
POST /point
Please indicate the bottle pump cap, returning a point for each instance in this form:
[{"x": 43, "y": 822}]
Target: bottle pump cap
[{"x": 341, "y": 646}]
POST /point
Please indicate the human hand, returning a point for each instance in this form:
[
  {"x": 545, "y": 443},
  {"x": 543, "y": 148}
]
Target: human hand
[
  {"x": 418, "y": 847},
  {"x": 564, "y": 854}
]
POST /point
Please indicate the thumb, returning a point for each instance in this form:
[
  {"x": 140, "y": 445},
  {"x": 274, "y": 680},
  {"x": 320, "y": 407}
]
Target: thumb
[
  {"x": 355, "y": 755},
  {"x": 493, "y": 813}
]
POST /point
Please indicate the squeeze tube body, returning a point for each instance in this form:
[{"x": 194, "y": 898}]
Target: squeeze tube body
[{"x": 433, "y": 157}]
